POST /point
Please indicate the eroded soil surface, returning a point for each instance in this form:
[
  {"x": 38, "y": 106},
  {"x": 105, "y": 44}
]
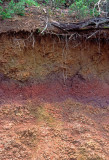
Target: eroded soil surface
[
  {"x": 54, "y": 121},
  {"x": 57, "y": 105}
]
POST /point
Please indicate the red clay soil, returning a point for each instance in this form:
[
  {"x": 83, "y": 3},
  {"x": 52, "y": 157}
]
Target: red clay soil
[
  {"x": 91, "y": 92},
  {"x": 52, "y": 121}
]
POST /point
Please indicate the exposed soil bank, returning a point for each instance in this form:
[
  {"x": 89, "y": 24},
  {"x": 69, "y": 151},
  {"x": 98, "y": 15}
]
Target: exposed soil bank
[
  {"x": 55, "y": 66},
  {"x": 37, "y": 129},
  {"x": 54, "y": 97},
  {"x": 88, "y": 92},
  {"x": 25, "y": 56}
]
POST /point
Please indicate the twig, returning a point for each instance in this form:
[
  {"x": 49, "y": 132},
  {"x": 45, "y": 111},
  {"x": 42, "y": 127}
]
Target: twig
[{"x": 99, "y": 8}]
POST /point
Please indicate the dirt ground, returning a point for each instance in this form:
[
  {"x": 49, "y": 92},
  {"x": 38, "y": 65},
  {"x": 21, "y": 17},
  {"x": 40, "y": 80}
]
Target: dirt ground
[
  {"x": 35, "y": 19},
  {"x": 54, "y": 122}
]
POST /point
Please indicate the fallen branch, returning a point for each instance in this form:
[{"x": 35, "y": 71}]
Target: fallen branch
[{"x": 88, "y": 24}]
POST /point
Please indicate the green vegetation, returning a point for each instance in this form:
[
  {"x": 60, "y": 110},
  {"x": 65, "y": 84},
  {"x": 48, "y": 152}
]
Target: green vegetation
[
  {"x": 84, "y": 8},
  {"x": 15, "y": 8},
  {"x": 81, "y": 8}
]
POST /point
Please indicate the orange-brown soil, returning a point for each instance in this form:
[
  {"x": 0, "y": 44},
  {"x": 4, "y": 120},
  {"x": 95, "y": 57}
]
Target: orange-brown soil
[
  {"x": 54, "y": 92},
  {"x": 51, "y": 121}
]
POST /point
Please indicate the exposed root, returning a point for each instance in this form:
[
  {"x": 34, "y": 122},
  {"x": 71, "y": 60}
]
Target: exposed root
[{"x": 45, "y": 26}]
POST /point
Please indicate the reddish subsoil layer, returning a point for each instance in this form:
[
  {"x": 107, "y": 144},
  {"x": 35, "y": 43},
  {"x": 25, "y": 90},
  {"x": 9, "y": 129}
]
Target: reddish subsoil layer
[
  {"x": 46, "y": 121},
  {"x": 93, "y": 92}
]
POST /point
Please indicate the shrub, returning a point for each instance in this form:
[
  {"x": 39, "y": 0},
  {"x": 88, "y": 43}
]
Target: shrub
[
  {"x": 6, "y": 12},
  {"x": 15, "y": 8},
  {"x": 83, "y": 8},
  {"x": 19, "y": 8}
]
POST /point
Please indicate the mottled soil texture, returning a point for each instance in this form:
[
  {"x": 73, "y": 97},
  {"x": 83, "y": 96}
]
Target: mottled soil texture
[
  {"x": 52, "y": 121},
  {"x": 54, "y": 92}
]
